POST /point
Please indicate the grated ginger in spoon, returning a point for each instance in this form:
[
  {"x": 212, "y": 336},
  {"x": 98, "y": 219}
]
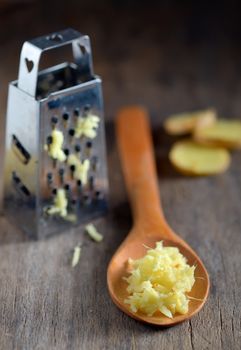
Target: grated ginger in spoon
[{"x": 159, "y": 281}]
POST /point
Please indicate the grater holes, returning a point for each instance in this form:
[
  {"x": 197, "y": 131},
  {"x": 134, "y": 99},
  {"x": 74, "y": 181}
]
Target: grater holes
[
  {"x": 81, "y": 192},
  {"x": 88, "y": 148},
  {"x": 67, "y": 187},
  {"x": 49, "y": 140},
  {"x": 76, "y": 112},
  {"x": 61, "y": 171},
  {"x": 88, "y": 144},
  {"x": 71, "y": 132},
  {"x": 87, "y": 199},
  {"x": 25, "y": 190},
  {"x": 72, "y": 170},
  {"x": 79, "y": 183},
  {"x": 49, "y": 177},
  {"x": 91, "y": 182},
  {"x": 20, "y": 151},
  {"x": 87, "y": 107},
  {"x": 61, "y": 175},
  {"x": 94, "y": 163},
  {"x": 54, "y": 191},
  {"x": 54, "y": 121},
  {"x": 86, "y": 110},
  {"x": 77, "y": 148},
  {"x": 99, "y": 195},
  {"x": 66, "y": 152},
  {"x": 19, "y": 185},
  {"x": 65, "y": 116},
  {"x": 15, "y": 178}
]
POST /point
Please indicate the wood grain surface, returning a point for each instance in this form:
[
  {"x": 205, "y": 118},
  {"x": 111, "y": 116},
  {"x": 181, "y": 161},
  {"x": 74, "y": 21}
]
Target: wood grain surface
[{"x": 167, "y": 60}]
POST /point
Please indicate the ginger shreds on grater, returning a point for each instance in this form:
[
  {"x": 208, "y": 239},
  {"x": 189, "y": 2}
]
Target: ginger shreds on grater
[
  {"x": 54, "y": 149},
  {"x": 76, "y": 256},
  {"x": 81, "y": 168},
  {"x": 87, "y": 126},
  {"x": 93, "y": 233},
  {"x": 60, "y": 204}
]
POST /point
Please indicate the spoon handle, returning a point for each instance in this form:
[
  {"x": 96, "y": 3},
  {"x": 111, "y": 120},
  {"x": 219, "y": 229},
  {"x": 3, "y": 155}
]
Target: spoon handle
[{"x": 138, "y": 164}]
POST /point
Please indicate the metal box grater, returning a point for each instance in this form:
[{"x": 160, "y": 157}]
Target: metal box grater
[{"x": 55, "y": 173}]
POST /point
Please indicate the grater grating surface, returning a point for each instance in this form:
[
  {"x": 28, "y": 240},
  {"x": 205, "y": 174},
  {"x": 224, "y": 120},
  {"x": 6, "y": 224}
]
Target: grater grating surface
[{"x": 55, "y": 140}]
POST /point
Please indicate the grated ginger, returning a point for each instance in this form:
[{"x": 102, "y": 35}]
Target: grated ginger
[
  {"x": 60, "y": 204},
  {"x": 81, "y": 168},
  {"x": 76, "y": 256},
  {"x": 93, "y": 233},
  {"x": 159, "y": 281},
  {"x": 87, "y": 126},
  {"x": 55, "y": 148}
]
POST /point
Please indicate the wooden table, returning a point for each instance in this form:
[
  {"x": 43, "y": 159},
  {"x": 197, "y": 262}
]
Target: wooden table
[{"x": 157, "y": 58}]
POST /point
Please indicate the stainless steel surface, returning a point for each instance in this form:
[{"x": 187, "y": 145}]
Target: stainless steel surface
[{"x": 33, "y": 101}]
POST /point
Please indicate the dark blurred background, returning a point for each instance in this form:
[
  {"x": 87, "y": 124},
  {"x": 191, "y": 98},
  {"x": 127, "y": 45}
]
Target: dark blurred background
[{"x": 168, "y": 55}]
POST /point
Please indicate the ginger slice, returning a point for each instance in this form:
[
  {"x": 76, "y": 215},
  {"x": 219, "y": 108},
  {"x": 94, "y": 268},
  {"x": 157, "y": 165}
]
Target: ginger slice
[
  {"x": 184, "y": 123},
  {"x": 225, "y": 133},
  {"x": 191, "y": 158}
]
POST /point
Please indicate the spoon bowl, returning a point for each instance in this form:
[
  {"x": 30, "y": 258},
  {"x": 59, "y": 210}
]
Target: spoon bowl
[
  {"x": 150, "y": 226},
  {"x": 134, "y": 248}
]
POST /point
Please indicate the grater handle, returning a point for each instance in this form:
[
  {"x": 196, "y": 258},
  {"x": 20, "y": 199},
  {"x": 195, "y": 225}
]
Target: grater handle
[{"x": 33, "y": 49}]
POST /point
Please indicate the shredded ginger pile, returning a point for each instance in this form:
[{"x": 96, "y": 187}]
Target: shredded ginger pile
[{"x": 158, "y": 282}]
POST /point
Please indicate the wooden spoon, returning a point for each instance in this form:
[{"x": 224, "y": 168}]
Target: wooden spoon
[{"x": 136, "y": 151}]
